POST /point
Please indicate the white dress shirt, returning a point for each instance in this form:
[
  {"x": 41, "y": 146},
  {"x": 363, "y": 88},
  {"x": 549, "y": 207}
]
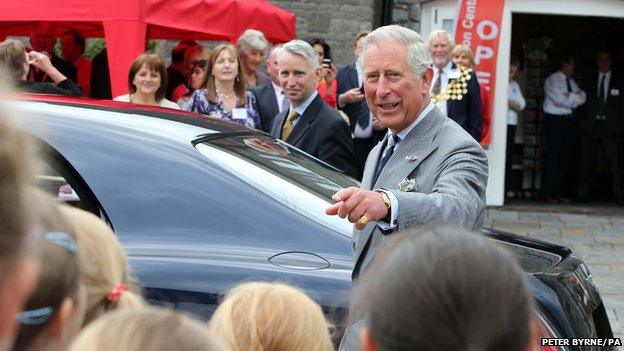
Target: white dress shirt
[
  {"x": 557, "y": 100},
  {"x": 515, "y": 94},
  {"x": 303, "y": 107},
  {"x": 445, "y": 71},
  {"x": 394, "y": 202}
]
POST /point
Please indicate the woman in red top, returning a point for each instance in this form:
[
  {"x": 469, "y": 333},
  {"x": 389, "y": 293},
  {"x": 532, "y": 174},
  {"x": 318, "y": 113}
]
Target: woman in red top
[{"x": 327, "y": 86}]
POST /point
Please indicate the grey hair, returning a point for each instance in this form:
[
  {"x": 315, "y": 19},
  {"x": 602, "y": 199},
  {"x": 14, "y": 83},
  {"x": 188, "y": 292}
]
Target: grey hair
[
  {"x": 459, "y": 288},
  {"x": 441, "y": 33},
  {"x": 277, "y": 48},
  {"x": 252, "y": 39},
  {"x": 418, "y": 57},
  {"x": 303, "y": 49}
]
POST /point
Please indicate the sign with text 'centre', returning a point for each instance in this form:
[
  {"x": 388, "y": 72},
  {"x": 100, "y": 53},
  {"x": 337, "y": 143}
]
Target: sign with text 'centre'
[{"x": 478, "y": 27}]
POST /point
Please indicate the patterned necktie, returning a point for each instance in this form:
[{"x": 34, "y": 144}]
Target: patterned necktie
[
  {"x": 382, "y": 163},
  {"x": 289, "y": 125},
  {"x": 437, "y": 86},
  {"x": 285, "y": 102},
  {"x": 364, "y": 118}
]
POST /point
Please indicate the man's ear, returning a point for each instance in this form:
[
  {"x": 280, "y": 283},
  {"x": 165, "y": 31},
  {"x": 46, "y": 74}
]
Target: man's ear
[
  {"x": 61, "y": 318},
  {"x": 14, "y": 291},
  {"x": 367, "y": 341},
  {"x": 318, "y": 73},
  {"x": 426, "y": 79}
]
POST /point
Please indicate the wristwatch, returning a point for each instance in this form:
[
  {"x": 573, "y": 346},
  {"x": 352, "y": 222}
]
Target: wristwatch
[{"x": 385, "y": 199}]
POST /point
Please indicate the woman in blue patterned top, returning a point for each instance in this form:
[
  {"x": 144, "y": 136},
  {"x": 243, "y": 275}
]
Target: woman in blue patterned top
[{"x": 225, "y": 96}]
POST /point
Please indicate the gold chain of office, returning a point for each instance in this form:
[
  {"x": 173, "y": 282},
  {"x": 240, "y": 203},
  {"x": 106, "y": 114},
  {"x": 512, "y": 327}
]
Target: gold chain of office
[{"x": 456, "y": 88}]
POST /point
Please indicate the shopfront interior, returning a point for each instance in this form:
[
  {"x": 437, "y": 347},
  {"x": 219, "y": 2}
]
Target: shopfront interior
[{"x": 539, "y": 41}]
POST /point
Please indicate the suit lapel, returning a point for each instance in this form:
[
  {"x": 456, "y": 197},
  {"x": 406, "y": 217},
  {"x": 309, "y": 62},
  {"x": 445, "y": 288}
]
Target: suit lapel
[
  {"x": 372, "y": 160},
  {"x": 411, "y": 151},
  {"x": 278, "y": 124},
  {"x": 270, "y": 92},
  {"x": 418, "y": 143},
  {"x": 305, "y": 120}
]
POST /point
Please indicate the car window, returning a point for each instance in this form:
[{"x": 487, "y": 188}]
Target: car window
[
  {"x": 50, "y": 180},
  {"x": 287, "y": 162},
  {"x": 286, "y": 174},
  {"x": 60, "y": 180}
]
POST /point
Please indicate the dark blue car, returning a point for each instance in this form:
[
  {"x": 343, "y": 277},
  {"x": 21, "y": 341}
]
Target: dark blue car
[{"x": 201, "y": 204}]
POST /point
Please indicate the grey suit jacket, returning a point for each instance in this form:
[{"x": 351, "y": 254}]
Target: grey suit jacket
[{"x": 450, "y": 171}]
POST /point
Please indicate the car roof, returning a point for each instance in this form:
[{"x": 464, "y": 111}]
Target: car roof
[{"x": 211, "y": 125}]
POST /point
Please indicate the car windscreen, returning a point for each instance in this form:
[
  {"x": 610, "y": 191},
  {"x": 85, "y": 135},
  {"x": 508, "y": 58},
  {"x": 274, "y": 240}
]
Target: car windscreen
[
  {"x": 291, "y": 177},
  {"x": 286, "y": 162}
]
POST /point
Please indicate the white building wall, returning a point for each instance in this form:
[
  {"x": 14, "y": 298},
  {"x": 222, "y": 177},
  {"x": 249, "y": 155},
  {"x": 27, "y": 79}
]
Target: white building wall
[{"x": 496, "y": 152}]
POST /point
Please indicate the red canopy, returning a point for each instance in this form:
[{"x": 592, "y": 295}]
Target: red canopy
[{"x": 127, "y": 24}]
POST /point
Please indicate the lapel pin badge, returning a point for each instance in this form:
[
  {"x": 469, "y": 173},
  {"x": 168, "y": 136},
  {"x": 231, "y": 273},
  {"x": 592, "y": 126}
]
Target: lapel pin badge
[{"x": 411, "y": 158}]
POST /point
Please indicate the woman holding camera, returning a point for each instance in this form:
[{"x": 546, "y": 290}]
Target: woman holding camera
[
  {"x": 328, "y": 86},
  {"x": 16, "y": 61}
]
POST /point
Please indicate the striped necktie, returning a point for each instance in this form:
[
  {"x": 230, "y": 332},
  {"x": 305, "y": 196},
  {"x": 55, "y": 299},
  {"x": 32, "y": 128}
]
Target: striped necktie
[{"x": 289, "y": 125}]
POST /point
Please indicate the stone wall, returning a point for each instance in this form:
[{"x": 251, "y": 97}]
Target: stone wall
[
  {"x": 335, "y": 21},
  {"x": 339, "y": 21}
]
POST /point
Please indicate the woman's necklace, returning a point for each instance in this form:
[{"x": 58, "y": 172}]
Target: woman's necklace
[{"x": 225, "y": 97}]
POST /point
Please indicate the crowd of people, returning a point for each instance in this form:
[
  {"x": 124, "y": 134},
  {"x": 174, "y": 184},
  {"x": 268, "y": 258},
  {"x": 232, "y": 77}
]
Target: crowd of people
[
  {"x": 65, "y": 282},
  {"x": 228, "y": 82}
]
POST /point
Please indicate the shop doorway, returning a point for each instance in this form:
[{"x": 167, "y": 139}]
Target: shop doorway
[{"x": 539, "y": 41}]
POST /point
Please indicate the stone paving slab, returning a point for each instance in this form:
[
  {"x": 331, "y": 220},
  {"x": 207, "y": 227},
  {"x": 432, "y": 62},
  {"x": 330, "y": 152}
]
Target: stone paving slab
[{"x": 594, "y": 232}]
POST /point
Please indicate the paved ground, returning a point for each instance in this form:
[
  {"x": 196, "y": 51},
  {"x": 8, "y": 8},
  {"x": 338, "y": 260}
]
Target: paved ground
[{"x": 594, "y": 231}]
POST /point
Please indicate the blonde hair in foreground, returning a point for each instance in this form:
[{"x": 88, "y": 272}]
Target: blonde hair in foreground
[
  {"x": 16, "y": 155},
  {"x": 270, "y": 317},
  {"x": 143, "y": 329},
  {"x": 103, "y": 264}
]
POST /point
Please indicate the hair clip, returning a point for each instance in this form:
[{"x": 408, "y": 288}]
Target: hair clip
[
  {"x": 114, "y": 295},
  {"x": 35, "y": 317},
  {"x": 62, "y": 239}
]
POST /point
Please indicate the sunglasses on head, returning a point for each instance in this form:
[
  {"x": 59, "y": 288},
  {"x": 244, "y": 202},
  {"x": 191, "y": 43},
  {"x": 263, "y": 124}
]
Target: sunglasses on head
[{"x": 199, "y": 63}]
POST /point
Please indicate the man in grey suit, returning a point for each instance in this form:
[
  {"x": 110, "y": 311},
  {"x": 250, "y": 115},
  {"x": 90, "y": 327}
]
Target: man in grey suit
[{"x": 427, "y": 169}]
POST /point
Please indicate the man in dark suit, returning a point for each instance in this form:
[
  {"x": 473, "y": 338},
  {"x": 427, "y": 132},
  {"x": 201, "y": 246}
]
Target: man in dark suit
[
  {"x": 270, "y": 97},
  {"x": 602, "y": 125},
  {"x": 455, "y": 90},
  {"x": 367, "y": 131},
  {"x": 309, "y": 123},
  {"x": 43, "y": 40}
]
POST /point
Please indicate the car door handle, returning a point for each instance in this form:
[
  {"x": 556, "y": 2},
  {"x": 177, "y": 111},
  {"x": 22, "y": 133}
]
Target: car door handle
[{"x": 299, "y": 260}]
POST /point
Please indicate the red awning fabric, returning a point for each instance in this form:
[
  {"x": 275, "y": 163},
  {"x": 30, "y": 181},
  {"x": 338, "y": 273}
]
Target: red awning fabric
[{"x": 127, "y": 24}]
